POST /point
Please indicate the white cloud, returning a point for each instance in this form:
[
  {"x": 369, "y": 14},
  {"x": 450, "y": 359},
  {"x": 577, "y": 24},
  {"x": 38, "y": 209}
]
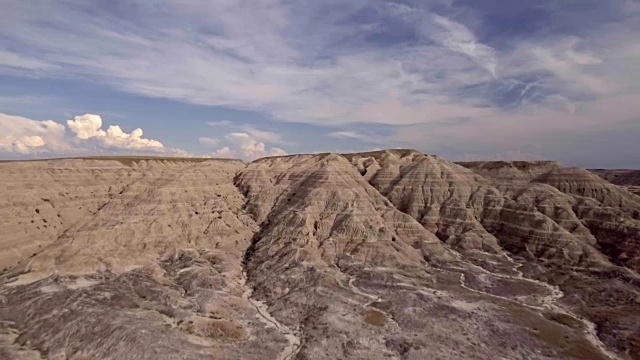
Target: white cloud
[
  {"x": 574, "y": 72},
  {"x": 347, "y": 135},
  {"x": 220, "y": 123},
  {"x": 531, "y": 127},
  {"x": 22, "y": 62},
  {"x": 89, "y": 126},
  {"x": 119, "y": 139},
  {"x": 86, "y": 126},
  {"x": 261, "y": 135},
  {"x": 246, "y": 142},
  {"x": 224, "y": 152},
  {"x": 361, "y": 136},
  {"x": 459, "y": 38},
  {"x": 247, "y": 147},
  {"x": 264, "y": 58},
  {"x": 23, "y": 100},
  {"x": 277, "y": 152},
  {"x": 25, "y": 136},
  {"x": 259, "y": 61},
  {"x": 208, "y": 141},
  {"x": 253, "y": 64}
]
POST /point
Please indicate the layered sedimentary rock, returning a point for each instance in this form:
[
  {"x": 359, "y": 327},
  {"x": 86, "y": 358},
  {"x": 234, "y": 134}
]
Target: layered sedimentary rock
[
  {"x": 595, "y": 212},
  {"x": 469, "y": 211},
  {"x": 629, "y": 179},
  {"x": 604, "y": 280},
  {"x": 390, "y": 254},
  {"x": 40, "y": 200},
  {"x": 154, "y": 271},
  {"x": 320, "y": 222},
  {"x": 445, "y": 198}
]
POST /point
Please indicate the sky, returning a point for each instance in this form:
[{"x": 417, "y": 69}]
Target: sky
[{"x": 462, "y": 79}]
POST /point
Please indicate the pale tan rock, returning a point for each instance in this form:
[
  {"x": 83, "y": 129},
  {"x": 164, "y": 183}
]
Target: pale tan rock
[
  {"x": 169, "y": 207},
  {"x": 40, "y": 200},
  {"x": 594, "y": 211},
  {"x": 447, "y": 199},
  {"x": 390, "y": 254}
]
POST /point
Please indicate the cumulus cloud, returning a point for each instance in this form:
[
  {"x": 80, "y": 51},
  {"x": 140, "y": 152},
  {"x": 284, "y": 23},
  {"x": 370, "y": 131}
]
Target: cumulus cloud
[
  {"x": 225, "y": 152},
  {"x": 248, "y": 147},
  {"x": 86, "y": 126},
  {"x": 89, "y": 126},
  {"x": 277, "y": 152},
  {"x": 244, "y": 141},
  {"x": 261, "y": 135},
  {"x": 25, "y": 136}
]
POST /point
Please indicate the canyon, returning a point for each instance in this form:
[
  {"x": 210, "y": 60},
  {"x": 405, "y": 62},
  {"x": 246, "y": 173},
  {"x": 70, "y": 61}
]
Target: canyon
[{"x": 391, "y": 254}]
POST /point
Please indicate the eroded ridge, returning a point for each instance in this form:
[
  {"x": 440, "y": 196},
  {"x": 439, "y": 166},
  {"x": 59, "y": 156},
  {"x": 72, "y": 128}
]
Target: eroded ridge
[{"x": 389, "y": 254}]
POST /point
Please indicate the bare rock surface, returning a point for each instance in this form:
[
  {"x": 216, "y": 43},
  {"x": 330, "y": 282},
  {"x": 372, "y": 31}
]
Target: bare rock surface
[
  {"x": 629, "y": 179},
  {"x": 383, "y": 255},
  {"x": 445, "y": 198}
]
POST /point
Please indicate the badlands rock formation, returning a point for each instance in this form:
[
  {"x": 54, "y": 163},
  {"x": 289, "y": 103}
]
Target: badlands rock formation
[
  {"x": 384, "y": 255},
  {"x": 629, "y": 179}
]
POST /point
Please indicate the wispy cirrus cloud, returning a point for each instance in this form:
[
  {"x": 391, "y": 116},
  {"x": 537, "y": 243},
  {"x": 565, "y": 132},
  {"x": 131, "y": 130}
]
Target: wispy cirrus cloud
[
  {"x": 257, "y": 65},
  {"x": 432, "y": 70},
  {"x": 459, "y": 38},
  {"x": 12, "y": 60},
  {"x": 365, "y": 137},
  {"x": 220, "y": 123},
  {"x": 208, "y": 141}
]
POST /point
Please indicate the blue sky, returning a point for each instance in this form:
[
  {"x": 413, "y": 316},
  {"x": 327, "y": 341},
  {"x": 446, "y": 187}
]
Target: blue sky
[{"x": 463, "y": 79}]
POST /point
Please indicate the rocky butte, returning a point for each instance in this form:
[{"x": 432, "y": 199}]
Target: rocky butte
[{"x": 383, "y": 255}]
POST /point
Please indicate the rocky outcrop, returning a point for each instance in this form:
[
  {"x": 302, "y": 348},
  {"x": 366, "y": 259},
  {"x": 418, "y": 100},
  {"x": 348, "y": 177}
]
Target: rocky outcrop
[
  {"x": 511, "y": 172},
  {"x": 594, "y": 211},
  {"x": 154, "y": 269},
  {"x": 447, "y": 199},
  {"x": 388, "y": 254},
  {"x": 604, "y": 217},
  {"x": 40, "y": 200},
  {"x": 319, "y": 218},
  {"x": 586, "y": 184},
  {"x": 629, "y": 179},
  {"x": 471, "y": 212}
]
